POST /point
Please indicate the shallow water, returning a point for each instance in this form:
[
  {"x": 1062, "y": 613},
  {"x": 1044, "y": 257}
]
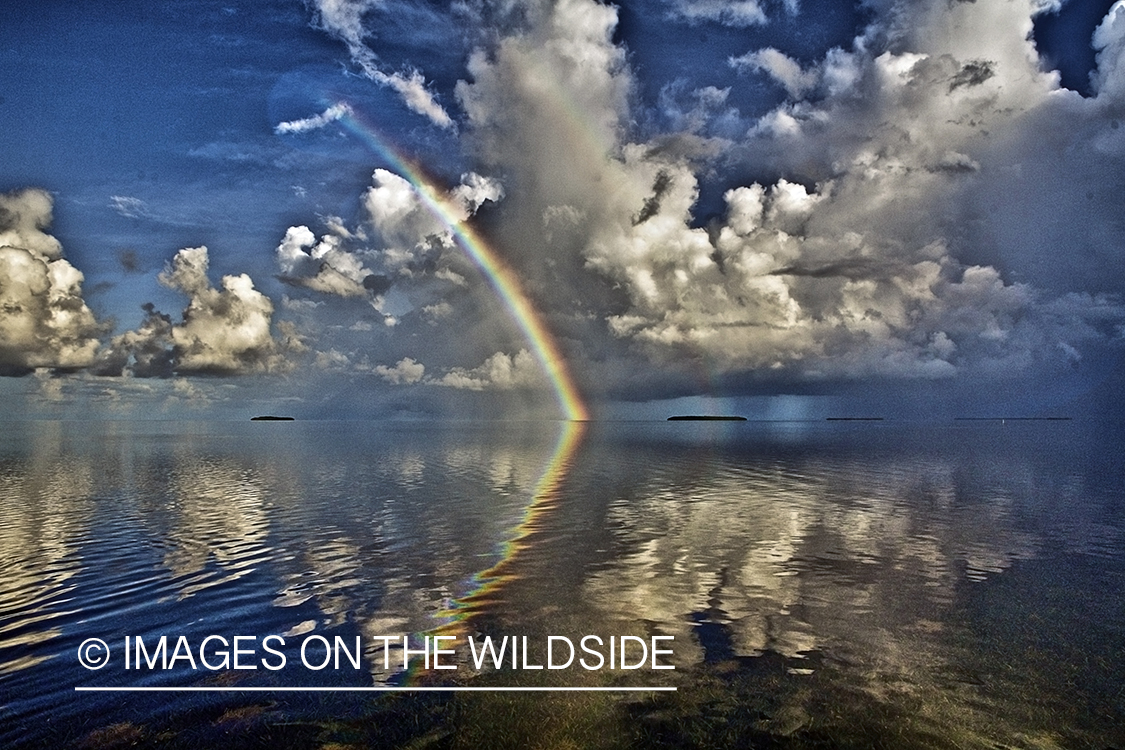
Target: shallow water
[{"x": 848, "y": 584}]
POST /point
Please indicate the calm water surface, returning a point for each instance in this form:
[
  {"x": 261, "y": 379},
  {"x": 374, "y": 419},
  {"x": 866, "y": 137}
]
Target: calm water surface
[{"x": 827, "y": 584}]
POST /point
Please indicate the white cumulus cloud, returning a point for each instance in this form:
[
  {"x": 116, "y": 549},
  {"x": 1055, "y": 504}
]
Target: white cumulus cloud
[
  {"x": 500, "y": 371},
  {"x": 45, "y": 322},
  {"x": 225, "y": 330},
  {"x": 405, "y": 371},
  {"x": 344, "y": 20}
]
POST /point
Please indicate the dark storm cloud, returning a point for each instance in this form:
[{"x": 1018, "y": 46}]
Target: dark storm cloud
[
  {"x": 128, "y": 259},
  {"x": 848, "y": 268},
  {"x": 377, "y": 283},
  {"x": 145, "y": 352},
  {"x": 973, "y": 73},
  {"x": 652, "y": 205},
  {"x": 852, "y": 263}
]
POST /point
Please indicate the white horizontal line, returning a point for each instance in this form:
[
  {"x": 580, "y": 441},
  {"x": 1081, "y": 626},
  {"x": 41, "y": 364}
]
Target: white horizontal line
[{"x": 227, "y": 689}]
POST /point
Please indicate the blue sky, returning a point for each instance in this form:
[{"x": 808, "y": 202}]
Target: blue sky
[{"x": 750, "y": 205}]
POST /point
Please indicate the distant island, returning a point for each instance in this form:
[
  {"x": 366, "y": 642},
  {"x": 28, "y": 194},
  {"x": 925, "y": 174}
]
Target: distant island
[
  {"x": 702, "y": 418},
  {"x": 268, "y": 418}
]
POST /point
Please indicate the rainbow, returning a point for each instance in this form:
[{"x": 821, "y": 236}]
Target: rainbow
[
  {"x": 505, "y": 283},
  {"x": 500, "y": 277},
  {"x": 544, "y": 499}
]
